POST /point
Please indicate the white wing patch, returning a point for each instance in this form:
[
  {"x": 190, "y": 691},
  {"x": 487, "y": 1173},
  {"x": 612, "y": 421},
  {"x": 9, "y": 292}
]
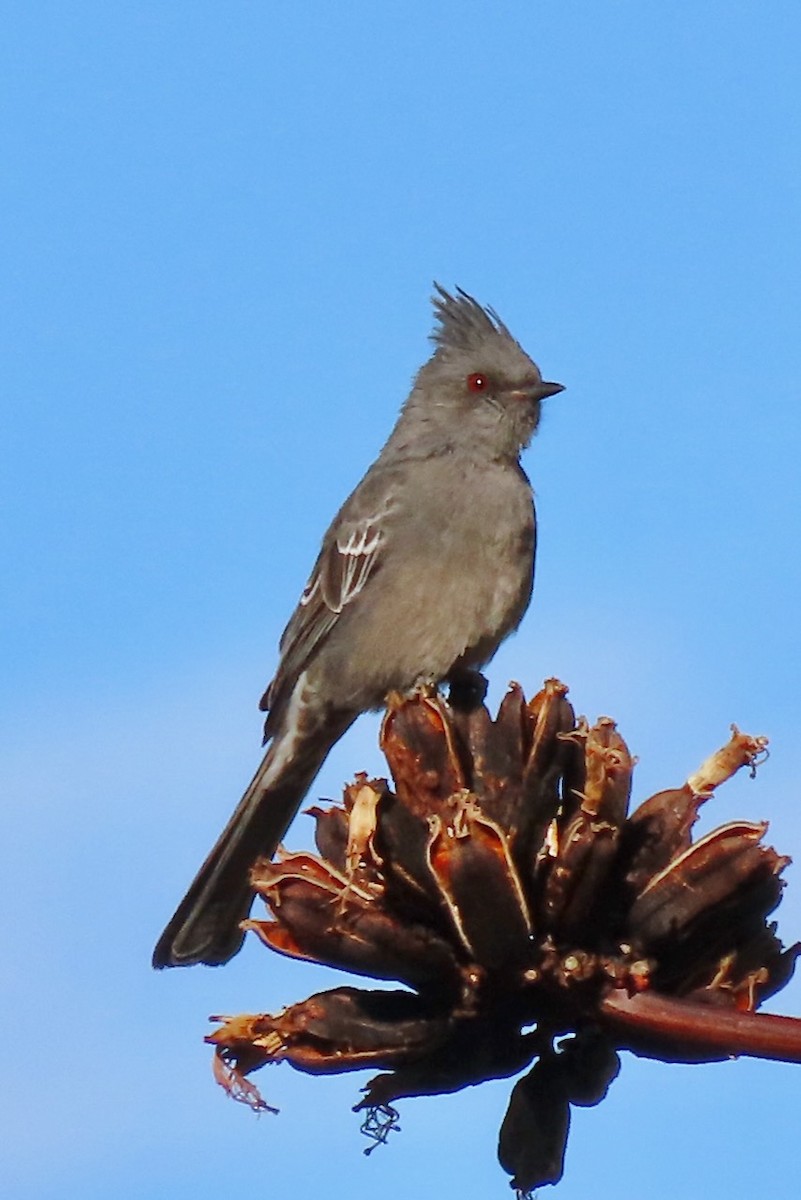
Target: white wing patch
[
  {"x": 358, "y": 551},
  {"x": 350, "y": 554},
  {"x": 344, "y": 565}
]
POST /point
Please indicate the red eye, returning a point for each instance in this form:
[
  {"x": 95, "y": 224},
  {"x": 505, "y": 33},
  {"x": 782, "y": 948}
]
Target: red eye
[{"x": 477, "y": 383}]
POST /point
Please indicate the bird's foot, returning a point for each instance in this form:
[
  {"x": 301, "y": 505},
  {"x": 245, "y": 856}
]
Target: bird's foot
[
  {"x": 467, "y": 689},
  {"x": 424, "y": 685}
]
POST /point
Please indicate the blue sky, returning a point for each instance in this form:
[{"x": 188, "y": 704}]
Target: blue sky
[{"x": 220, "y": 227}]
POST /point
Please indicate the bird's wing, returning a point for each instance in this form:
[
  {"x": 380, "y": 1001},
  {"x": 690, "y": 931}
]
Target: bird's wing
[
  {"x": 350, "y": 555},
  {"x": 349, "y": 561}
]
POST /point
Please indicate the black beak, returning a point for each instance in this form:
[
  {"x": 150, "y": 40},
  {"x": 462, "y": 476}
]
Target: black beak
[{"x": 544, "y": 389}]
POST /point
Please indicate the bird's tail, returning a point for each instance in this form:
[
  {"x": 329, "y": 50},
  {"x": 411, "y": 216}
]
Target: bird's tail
[{"x": 205, "y": 926}]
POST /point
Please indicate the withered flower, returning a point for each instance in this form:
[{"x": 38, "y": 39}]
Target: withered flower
[{"x": 529, "y": 918}]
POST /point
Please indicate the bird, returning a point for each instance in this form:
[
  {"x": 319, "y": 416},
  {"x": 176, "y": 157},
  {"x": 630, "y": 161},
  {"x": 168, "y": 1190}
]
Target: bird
[{"x": 425, "y": 569}]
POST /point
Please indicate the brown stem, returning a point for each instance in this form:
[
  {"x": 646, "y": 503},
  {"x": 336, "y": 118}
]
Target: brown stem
[{"x": 685, "y": 1031}]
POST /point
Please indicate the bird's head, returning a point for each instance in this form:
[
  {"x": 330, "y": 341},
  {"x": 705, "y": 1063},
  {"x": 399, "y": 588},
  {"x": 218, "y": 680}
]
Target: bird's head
[{"x": 479, "y": 388}]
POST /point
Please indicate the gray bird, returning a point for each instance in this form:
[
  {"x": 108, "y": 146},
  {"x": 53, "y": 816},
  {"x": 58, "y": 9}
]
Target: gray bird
[{"x": 424, "y": 570}]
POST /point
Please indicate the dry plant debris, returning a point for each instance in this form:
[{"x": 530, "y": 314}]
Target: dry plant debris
[{"x": 529, "y": 917}]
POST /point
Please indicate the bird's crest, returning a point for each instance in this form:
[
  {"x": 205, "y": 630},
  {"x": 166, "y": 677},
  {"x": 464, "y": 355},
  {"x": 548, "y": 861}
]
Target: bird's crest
[{"x": 462, "y": 321}]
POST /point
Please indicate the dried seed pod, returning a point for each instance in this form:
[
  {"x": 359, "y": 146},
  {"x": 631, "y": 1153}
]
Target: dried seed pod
[
  {"x": 586, "y": 844},
  {"x": 660, "y": 829},
  {"x": 421, "y": 747},
  {"x": 402, "y": 839},
  {"x": 705, "y": 876},
  {"x": 656, "y": 833},
  {"x": 345, "y": 1029},
  {"x": 533, "y": 1136},
  {"x": 590, "y": 1064},
  {"x": 469, "y": 858},
  {"x": 477, "y": 1048},
  {"x": 321, "y": 916},
  {"x": 504, "y": 882},
  {"x": 552, "y": 718},
  {"x": 496, "y": 751}
]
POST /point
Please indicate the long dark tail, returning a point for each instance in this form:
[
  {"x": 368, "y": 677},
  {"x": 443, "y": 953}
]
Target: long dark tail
[{"x": 205, "y": 926}]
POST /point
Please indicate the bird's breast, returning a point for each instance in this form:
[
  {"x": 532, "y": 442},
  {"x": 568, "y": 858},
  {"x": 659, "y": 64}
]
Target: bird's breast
[{"x": 454, "y": 579}]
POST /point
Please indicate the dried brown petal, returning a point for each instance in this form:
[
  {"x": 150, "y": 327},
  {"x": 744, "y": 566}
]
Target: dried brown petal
[
  {"x": 742, "y": 750},
  {"x": 362, "y": 802},
  {"x": 330, "y": 833},
  {"x": 238, "y": 1086}
]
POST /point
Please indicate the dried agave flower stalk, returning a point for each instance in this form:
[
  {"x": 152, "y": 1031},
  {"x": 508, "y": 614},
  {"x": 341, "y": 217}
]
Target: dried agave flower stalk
[{"x": 529, "y": 917}]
